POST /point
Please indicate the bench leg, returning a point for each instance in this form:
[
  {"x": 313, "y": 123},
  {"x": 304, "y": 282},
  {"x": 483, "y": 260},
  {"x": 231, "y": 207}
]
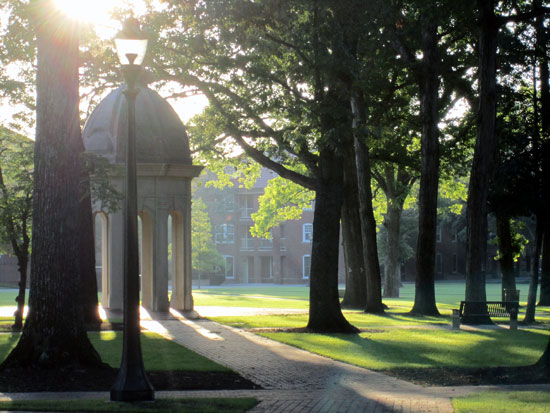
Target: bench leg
[
  {"x": 456, "y": 320},
  {"x": 513, "y": 320}
]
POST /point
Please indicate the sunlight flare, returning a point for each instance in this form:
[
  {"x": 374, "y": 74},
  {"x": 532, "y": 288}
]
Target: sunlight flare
[{"x": 95, "y": 12}]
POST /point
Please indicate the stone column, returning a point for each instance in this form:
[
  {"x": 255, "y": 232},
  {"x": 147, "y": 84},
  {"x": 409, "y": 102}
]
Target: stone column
[
  {"x": 187, "y": 252},
  {"x": 177, "y": 299},
  {"x": 146, "y": 260},
  {"x": 116, "y": 262},
  {"x": 105, "y": 260},
  {"x": 160, "y": 260},
  {"x": 182, "y": 298}
]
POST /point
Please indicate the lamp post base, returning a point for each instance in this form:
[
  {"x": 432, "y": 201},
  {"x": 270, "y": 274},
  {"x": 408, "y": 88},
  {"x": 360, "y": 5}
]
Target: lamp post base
[
  {"x": 132, "y": 386},
  {"x": 132, "y": 395}
]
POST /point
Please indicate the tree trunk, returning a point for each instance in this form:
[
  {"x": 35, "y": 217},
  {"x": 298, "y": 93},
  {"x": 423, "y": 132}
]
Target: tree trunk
[
  {"x": 544, "y": 299},
  {"x": 325, "y": 314},
  {"x": 544, "y": 361},
  {"x": 483, "y": 163},
  {"x": 88, "y": 276},
  {"x": 396, "y": 189},
  {"x": 534, "y": 282},
  {"x": 22, "y": 262},
  {"x": 54, "y": 333},
  {"x": 542, "y": 43},
  {"x": 355, "y": 295},
  {"x": 506, "y": 253},
  {"x": 392, "y": 221},
  {"x": 368, "y": 223},
  {"x": 424, "y": 297}
]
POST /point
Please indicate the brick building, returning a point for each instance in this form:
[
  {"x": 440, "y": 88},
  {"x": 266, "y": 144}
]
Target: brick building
[{"x": 283, "y": 259}]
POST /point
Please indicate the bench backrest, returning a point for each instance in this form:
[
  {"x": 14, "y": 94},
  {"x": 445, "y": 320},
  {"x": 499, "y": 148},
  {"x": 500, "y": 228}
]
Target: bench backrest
[{"x": 493, "y": 308}]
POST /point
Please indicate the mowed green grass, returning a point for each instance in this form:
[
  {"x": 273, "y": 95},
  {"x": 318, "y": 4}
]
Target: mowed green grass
[
  {"x": 159, "y": 354},
  {"x": 203, "y": 405},
  {"x": 448, "y": 295},
  {"x": 382, "y": 349},
  {"x": 504, "y": 402}
]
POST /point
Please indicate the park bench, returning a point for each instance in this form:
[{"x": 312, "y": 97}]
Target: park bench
[{"x": 484, "y": 308}]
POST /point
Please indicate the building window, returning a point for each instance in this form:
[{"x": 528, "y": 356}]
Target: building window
[
  {"x": 247, "y": 241},
  {"x": 267, "y": 267},
  {"x": 455, "y": 235},
  {"x": 224, "y": 202},
  {"x": 267, "y": 243},
  {"x": 224, "y": 234},
  {"x": 306, "y": 266},
  {"x": 282, "y": 238},
  {"x": 247, "y": 206},
  {"x": 438, "y": 264},
  {"x": 438, "y": 233},
  {"x": 229, "y": 270},
  {"x": 455, "y": 263},
  {"x": 307, "y": 233}
]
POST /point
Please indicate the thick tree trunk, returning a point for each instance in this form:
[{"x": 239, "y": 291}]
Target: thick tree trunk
[
  {"x": 544, "y": 361},
  {"x": 54, "y": 333},
  {"x": 542, "y": 43},
  {"x": 506, "y": 253},
  {"x": 534, "y": 282},
  {"x": 325, "y": 314},
  {"x": 355, "y": 295},
  {"x": 392, "y": 222},
  {"x": 544, "y": 299},
  {"x": 368, "y": 223},
  {"x": 88, "y": 276},
  {"x": 483, "y": 163},
  {"x": 424, "y": 298}
]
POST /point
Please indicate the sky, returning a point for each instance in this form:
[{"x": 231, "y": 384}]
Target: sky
[{"x": 97, "y": 12}]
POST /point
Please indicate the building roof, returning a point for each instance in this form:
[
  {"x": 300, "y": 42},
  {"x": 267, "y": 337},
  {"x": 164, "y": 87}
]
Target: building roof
[{"x": 160, "y": 135}]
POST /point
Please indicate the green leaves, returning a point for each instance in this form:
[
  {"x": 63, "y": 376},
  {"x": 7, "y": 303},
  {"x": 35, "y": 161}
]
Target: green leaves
[
  {"x": 282, "y": 201},
  {"x": 16, "y": 181}
]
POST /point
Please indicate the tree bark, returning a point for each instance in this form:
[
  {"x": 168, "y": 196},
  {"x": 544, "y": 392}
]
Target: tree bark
[
  {"x": 355, "y": 295},
  {"x": 22, "y": 263},
  {"x": 506, "y": 253},
  {"x": 54, "y": 333},
  {"x": 534, "y": 281},
  {"x": 392, "y": 279},
  {"x": 542, "y": 54},
  {"x": 424, "y": 298},
  {"x": 483, "y": 163},
  {"x": 325, "y": 314},
  {"x": 88, "y": 278},
  {"x": 396, "y": 190},
  {"x": 366, "y": 212}
]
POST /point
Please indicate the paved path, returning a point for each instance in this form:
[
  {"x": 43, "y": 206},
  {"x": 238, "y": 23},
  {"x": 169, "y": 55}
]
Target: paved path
[
  {"x": 298, "y": 381},
  {"x": 293, "y": 380}
]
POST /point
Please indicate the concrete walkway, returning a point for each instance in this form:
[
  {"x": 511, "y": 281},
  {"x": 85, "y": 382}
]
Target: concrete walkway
[{"x": 293, "y": 380}]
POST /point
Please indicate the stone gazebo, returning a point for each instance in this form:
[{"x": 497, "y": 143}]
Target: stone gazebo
[{"x": 165, "y": 171}]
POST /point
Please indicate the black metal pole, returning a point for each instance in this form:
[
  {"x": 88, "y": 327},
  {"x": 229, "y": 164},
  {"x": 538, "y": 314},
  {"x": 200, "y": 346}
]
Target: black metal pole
[{"x": 131, "y": 383}]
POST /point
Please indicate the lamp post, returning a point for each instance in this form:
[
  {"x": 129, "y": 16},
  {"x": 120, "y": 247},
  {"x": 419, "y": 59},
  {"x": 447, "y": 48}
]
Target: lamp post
[{"x": 131, "y": 383}]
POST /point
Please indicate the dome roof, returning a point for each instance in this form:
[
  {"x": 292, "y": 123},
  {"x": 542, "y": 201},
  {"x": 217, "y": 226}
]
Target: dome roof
[{"x": 160, "y": 134}]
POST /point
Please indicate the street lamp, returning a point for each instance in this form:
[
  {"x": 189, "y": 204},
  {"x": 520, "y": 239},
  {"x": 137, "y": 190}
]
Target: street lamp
[{"x": 131, "y": 383}]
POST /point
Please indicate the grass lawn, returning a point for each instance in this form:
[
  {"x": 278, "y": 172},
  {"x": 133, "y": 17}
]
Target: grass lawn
[
  {"x": 158, "y": 353},
  {"x": 206, "y": 405},
  {"x": 504, "y": 402},
  {"x": 391, "y": 348},
  {"x": 393, "y": 317}
]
